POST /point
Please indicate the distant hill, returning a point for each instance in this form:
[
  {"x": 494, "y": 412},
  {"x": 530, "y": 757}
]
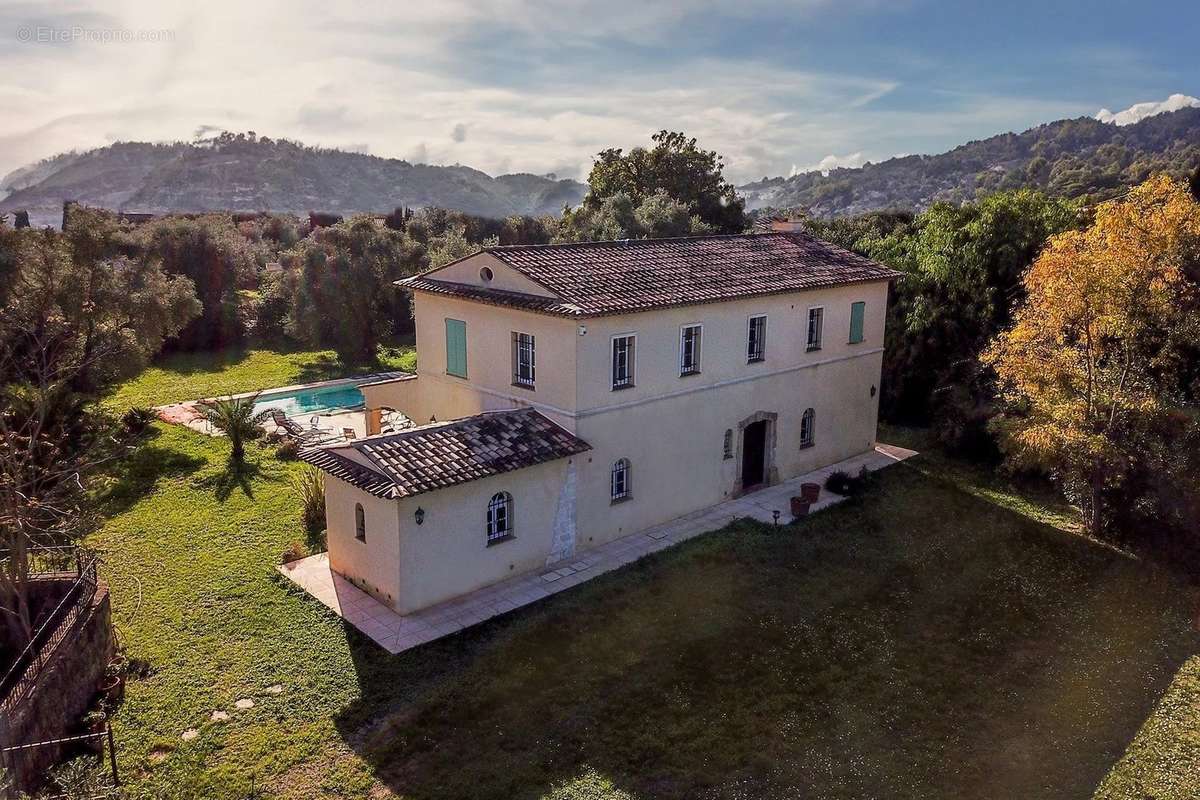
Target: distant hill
[
  {"x": 1072, "y": 158},
  {"x": 240, "y": 173}
]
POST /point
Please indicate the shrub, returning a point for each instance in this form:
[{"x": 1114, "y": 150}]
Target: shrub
[
  {"x": 294, "y": 552},
  {"x": 137, "y": 420},
  {"x": 288, "y": 450},
  {"x": 843, "y": 483},
  {"x": 309, "y": 487},
  {"x": 839, "y": 482}
]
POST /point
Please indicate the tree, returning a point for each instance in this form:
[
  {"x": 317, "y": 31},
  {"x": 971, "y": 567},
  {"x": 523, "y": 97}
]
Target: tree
[
  {"x": 963, "y": 267},
  {"x": 236, "y": 418},
  {"x": 210, "y": 251},
  {"x": 618, "y": 218},
  {"x": 676, "y": 167},
  {"x": 1099, "y": 371},
  {"x": 77, "y": 316},
  {"x": 344, "y": 295}
]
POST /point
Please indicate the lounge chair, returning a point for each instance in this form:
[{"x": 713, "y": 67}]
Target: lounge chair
[{"x": 288, "y": 426}]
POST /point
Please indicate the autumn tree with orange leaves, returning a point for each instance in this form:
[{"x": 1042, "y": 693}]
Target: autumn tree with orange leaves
[{"x": 1100, "y": 373}]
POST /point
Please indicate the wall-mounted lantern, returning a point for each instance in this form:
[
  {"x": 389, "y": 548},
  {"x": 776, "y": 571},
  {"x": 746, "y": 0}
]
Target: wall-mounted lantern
[
  {"x": 419, "y": 515},
  {"x": 873, "y": 390}
]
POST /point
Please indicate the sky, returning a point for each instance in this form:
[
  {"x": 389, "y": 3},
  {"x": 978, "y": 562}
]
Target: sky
[{"x": 775, "y": 86}]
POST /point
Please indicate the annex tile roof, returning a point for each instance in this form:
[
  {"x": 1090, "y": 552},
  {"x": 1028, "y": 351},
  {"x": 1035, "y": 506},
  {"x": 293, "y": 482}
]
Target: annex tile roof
[
  {"x": 598, "y": 278},
  {"x": 448, "y": 453}
]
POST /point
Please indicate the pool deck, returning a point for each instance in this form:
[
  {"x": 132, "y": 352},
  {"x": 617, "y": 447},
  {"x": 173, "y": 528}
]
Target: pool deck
[{"x": 188, "y": 414}]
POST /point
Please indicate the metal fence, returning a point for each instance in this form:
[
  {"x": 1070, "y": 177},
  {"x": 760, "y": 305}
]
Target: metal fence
[
  {"x": 71, "y": 563},
  {"x": 100, "y": 785}
]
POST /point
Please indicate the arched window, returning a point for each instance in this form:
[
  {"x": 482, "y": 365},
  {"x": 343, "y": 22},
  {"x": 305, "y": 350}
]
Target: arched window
[
  {"x": 807, "y": 423},
  {"x": 499, "y": 517},
  {"x": 620, "y": 479},
  {"x": 360, "y": 523},
  {"x": 727, "y": 445}
]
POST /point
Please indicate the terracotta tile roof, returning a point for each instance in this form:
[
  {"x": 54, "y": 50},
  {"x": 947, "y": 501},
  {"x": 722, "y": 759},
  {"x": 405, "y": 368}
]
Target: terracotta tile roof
[
  {"x": 445, "y": 454},
  {"x": 598, "y": 278}
]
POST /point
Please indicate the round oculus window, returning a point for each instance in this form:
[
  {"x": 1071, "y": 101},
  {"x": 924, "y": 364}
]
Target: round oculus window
[{"x": 485, "y": 274}]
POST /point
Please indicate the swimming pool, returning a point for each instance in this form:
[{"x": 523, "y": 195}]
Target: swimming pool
[{"x": 318, "y": 400}]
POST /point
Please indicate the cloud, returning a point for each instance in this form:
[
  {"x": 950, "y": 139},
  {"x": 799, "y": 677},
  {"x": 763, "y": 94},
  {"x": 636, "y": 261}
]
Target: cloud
[
  {"x": 1140, "y": 111},
  {"x": 832, "y": 162},
  {"x": 572, "y": 79},
  {"x": 324, "y": 119},
  {"x": 204, "y": 131}
]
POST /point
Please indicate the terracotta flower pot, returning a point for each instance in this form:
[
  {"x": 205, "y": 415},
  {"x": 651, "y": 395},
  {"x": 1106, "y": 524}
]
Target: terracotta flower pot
[
  {"x": 113, "y": 687},
  {"x": 799, "y": 507},
  {"x": 811, "y": 492}
]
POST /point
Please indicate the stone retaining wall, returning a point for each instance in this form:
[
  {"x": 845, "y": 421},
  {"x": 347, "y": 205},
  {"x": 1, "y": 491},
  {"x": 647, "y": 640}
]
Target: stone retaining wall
[{"x": 64, "y": 691}]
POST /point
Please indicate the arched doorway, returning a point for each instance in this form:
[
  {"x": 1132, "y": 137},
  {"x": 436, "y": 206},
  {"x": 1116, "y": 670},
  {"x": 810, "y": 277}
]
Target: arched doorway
[{"x": 756, "y": 451}]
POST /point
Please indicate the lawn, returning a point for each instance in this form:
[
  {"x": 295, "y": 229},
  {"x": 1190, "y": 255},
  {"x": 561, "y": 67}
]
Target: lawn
[
  {"x": 944, "y": 636},
  {"x": 191, "y": 376}
]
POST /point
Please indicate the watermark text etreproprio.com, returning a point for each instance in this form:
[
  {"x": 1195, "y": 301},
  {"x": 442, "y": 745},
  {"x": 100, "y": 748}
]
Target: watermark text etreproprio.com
[{"x": 49, "y": 34}]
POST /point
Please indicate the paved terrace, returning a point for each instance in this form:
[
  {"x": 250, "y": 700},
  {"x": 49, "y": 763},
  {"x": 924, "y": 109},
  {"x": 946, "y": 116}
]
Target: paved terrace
[{"x": 397, "y": 633}]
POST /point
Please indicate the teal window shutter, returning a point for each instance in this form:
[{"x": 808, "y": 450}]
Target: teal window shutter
[
  {"x": 456, "y": 347},
  {"x": 857, "y": 312}
]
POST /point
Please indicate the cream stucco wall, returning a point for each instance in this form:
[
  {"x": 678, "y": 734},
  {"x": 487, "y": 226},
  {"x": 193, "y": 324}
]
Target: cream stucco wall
[
  {"x": 671, "y": 428},
  {"x": 448, "y": 554},
  {"x": 503, "y": 276},
  {"x": 374, "y": 564},
  {"x": 489, "y": 382}
]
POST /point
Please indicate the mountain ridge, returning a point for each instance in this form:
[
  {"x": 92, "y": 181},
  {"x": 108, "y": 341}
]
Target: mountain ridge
[
  {"x": 240, "y": 172},
  {"x": 1080, "y": 157}
]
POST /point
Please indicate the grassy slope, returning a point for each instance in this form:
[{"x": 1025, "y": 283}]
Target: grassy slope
[
  {"x": 190, "y": 376},
  {"x": 941, "y": 638}
]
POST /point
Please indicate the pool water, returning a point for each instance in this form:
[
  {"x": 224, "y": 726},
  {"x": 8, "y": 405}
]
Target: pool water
[{"x": 312, "y": 401}]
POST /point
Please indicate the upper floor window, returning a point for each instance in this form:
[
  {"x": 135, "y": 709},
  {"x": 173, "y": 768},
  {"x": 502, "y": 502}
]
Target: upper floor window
[
  {"x": 619, "y": 487},
  {"x": 857, "y": 312},
  {"x": 623, "y": 355},
  {"x": 499, "y": 517},
  {"x": 456, "y": 348},
  {"x": 807, "y": 424},
  {"x": 816, "y": 317},
  {"x": 756, "y": 339},
  {"x": 689, "y": 350},
  {"x": 360, "y": 523},
  {"x": 523, "y": 359}
]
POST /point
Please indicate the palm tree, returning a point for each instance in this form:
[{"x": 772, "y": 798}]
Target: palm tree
[{"x": 236, "y": 418}]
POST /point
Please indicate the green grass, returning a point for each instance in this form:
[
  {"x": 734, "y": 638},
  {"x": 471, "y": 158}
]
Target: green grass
[
  {"x": 945, "y": 636},
  {"x": 191, "y": 376}
]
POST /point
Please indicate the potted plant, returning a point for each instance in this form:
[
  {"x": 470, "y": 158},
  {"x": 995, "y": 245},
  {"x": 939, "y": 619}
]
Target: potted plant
[
  {"x": 112, "y": 685},
  {"x": 800, "y": 507},
  {"x": 94, "y": 721},
  {"x": 811, "y": 492}
]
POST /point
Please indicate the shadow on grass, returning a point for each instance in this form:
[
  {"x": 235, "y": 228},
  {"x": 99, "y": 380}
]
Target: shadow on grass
[
  {"x": 917, "y": 642},
  {"x": 202, "y": 361},
  {"x": 235, "y": 476},
  {"x": 136, "y": 475}
]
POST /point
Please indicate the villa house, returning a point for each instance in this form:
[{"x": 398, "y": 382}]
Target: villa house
[{"x": 568, "y": 395}]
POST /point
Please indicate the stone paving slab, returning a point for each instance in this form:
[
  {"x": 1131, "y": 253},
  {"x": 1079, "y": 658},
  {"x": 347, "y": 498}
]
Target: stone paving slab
[{"x": 397, "y": 633}]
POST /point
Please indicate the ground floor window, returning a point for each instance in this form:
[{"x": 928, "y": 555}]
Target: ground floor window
[
  {"x": 499, "y": 517},
  {"x": 620, "y": 479},
  {"x": 807, "y": 423}
]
